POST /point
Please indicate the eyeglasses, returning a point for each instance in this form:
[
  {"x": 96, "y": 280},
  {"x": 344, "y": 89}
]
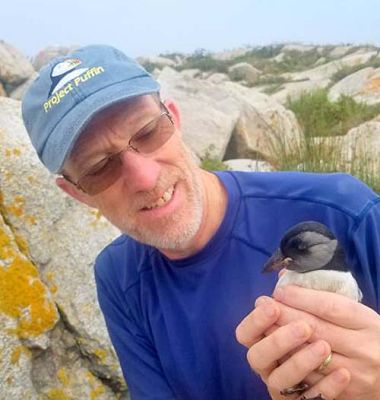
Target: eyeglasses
[{"x": 147, "y": 140}]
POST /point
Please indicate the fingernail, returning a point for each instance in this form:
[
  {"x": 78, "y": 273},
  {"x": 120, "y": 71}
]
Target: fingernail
[
  {"x": 261, "y": 300},
  {"x": 279, "y": 294}
]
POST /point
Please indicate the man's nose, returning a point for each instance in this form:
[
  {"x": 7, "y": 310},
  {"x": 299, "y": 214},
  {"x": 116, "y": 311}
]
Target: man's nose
[{"x": 140, "y": 171}]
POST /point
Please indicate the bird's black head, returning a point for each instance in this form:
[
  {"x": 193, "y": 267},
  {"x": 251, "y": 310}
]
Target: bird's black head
[{"x": 305, "y": 247}]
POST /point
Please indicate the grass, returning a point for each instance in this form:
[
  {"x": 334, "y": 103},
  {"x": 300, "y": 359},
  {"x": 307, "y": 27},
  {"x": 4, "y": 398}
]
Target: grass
[
  {"x": 210, "y": 163},
  {"x": 318, "y": 116},
  {"x": 326, "y": 156},
  {"x": 321, "y": 147}
]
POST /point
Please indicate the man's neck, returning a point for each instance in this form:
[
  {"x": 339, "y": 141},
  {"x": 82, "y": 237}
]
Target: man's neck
[{"x": 215, "y": 200}]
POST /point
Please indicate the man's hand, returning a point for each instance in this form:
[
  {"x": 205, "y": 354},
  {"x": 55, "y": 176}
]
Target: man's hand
[{"x": 324, "y": 321}]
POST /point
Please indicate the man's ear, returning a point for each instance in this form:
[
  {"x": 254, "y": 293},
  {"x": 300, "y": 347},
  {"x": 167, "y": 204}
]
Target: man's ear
[
  {"x": 73, "y": 192},
  {"x": 174, "y": 111}
]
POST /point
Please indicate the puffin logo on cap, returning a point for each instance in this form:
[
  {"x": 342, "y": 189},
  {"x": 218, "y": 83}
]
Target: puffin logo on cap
[{"x": 64, "y": 72}]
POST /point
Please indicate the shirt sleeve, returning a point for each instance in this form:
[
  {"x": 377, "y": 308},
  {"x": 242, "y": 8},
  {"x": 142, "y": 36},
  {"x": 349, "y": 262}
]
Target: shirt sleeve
[
  {"x": 366, "y": 238},
  {"x": 141, "y": 367}
]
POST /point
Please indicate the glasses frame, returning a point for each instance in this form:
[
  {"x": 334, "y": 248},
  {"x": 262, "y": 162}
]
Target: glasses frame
[{"x": 128, "y": 147}]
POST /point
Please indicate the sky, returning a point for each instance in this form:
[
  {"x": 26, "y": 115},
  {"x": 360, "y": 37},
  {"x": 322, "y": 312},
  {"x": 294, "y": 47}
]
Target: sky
[{"x": 151, "y": 27}]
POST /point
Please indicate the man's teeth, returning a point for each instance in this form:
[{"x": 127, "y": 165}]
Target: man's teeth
[{"x": 163, "y": 199}]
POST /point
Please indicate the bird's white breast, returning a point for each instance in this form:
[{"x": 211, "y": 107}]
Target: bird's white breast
[{"x": 331, "y": 281}]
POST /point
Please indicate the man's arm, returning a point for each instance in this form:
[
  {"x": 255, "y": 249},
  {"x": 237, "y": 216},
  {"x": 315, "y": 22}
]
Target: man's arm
[{"x": 138, "y": 359}]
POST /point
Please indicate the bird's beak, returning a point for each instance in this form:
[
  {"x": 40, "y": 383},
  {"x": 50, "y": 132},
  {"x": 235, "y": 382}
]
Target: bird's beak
[{"x": 276, "y": 262}]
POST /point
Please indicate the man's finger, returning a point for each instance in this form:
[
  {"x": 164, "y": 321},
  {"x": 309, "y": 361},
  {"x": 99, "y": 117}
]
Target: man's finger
[
  {"x": 332, "y": 307},
  {"x": 340, "y": 339},
  {"x": 330, "y": 387},
  {"x": 296, "y": 368},
  {"x": 270, "y": 349},
  {"x": 256, "y": 323}
]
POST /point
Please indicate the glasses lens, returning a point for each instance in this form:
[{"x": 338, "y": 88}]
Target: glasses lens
[
  {"x": 108, "y": 171},
  {"x": 154, "y": 135},
  {"x": 102, "y": 176}
]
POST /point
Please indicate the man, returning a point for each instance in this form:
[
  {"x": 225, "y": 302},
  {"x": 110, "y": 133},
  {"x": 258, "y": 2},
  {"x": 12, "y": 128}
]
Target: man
[{"x": 177, "y": 287}]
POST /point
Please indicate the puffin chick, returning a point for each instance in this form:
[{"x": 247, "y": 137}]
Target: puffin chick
[{"x": 312, "y": 258}]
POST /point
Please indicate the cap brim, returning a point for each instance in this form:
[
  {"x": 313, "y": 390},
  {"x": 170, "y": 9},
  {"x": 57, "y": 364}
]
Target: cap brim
[{"x": 67, "y": 131}]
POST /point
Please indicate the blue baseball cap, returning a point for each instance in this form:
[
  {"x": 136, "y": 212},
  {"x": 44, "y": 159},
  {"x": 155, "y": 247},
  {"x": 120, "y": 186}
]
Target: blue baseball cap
[{"x": 70, "y": 90}]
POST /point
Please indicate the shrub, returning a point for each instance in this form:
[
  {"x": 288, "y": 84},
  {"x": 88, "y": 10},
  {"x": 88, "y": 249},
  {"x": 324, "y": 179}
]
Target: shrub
[
  {"x": 210, "y": 163},
  {"x": 318, "y": 116}
]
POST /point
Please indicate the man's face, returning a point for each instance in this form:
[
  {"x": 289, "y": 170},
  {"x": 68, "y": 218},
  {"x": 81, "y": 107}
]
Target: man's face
[{"x": 158, "y": 198}]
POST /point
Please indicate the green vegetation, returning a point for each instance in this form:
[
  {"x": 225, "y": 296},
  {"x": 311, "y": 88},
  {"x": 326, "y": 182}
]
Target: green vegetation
[
  {"x": 210, "y": 163},
  {"x": 203, "y": 60},
  {"x": 318, "y": 116},
  {"x": 259, "y": 57},
  {"x": 324, "y": 155},
  {"x": 321, "y": 149}
]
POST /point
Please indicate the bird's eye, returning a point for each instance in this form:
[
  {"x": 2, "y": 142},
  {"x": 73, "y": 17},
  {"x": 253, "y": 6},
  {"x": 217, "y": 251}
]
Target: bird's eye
[{"x": 298, "y": 244}]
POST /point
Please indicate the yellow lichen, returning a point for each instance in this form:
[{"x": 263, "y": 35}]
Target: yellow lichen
[
  {"x": 22, "y": 295},
  {"x": 62, "y": 376},
  {"x": 96, "y": 388},
  {"x": 101, "y": 354},
  {"x": 16, "y": 152},
  {"x": 57, "y": 394},
  {"x": 22, "y": 244},
  {"x": 8, "y": 175},
  {"x": 17, "y": 208},
  {"x": 8, "y": 153},
  {"x": 31, "y": 219},
  {"x": 95, "y": 393},
  {"x": 53, "y": 289},
  {"x": 49, "y": 276},
  {"x": 16, "y": 353}
]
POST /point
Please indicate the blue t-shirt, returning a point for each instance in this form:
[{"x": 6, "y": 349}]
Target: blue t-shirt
[{"x": 173, "y": 323}]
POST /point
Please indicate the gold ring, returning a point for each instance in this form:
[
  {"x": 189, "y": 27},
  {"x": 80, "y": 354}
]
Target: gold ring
[{"x": 325, "y": 363}]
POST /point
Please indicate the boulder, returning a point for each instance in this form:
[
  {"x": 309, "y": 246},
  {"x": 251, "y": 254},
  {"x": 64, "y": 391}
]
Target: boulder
[
  {"x": 158, "y": 61},
  {"x": 78, "y": 357},
  {"x": 340, "y": 51},
  {"x": 27, "y": 312},
  {"x": 208, "y": 114},
  {"x": 245, "y": 164},
  {"x": 228, "y": 115},
  {"x": 230, "y": 54},
  {"x": 50, "y": 52},
  {"x": 244, "y": 72},
  {"x": 15, "y": 68},
  {"x": 3, "y": 93},
  {"x": 301, "y": 48},
  {"x": 265, "y": 130},
  {"x": 293, "y": 90},
  {"x": 363, "y": 86},
  {"x": 191, "y": 73},
  {"x": 326, "y": 71},
  {"x": 361, "y": 147},
  {"x": 218, "y": 77},
  {"x": 20, "y": 90}
]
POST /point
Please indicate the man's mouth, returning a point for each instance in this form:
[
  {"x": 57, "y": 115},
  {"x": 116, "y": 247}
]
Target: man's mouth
[{"x": 165, "y": 198}]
